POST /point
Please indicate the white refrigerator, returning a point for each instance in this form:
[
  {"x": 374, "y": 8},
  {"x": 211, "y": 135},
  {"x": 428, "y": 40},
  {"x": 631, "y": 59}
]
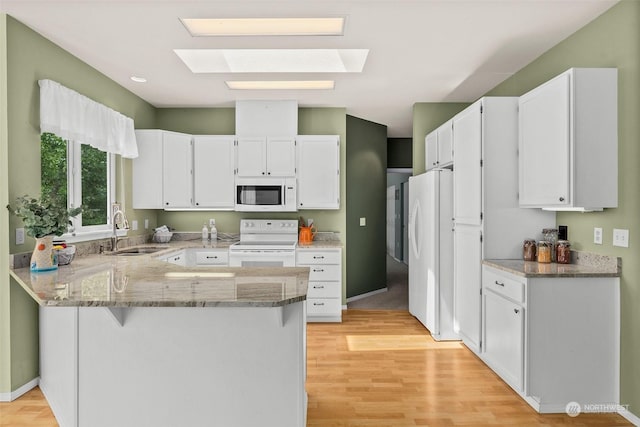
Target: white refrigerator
[{"x": 431, "y": 298}]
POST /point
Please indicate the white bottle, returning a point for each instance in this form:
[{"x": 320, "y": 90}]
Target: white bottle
[
  {"x": 214, "y": 233},
  {"x": 205, "y": 232}
]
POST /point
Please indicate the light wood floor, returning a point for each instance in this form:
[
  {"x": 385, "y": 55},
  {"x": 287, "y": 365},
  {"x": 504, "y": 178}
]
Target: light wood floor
[{"x": 381, "y": 368}]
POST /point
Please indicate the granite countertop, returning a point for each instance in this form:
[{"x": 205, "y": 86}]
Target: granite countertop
[
  {"x": 146, "y": 281},
  {"x": 584, "y": 265}
]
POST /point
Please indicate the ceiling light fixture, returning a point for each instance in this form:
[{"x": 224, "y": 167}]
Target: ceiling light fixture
[
  {"x": 273, "y": 60},
  {"x": 265, "y": 26},
  {"x": 138, "y": 79},
  {"x": 281, "y": 85}
]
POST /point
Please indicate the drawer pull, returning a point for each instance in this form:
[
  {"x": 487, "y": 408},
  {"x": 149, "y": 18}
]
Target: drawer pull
[
  {"x": 318, "y": 286},
  {"x": 318, "y": 303},
  {"x": 318, "y": 257},
  {"x": 318, "y": 270},
  {"x": 212, "y": 257},
  {"x": 516, "y": 311},
  {"x": 499, "y": 283}
]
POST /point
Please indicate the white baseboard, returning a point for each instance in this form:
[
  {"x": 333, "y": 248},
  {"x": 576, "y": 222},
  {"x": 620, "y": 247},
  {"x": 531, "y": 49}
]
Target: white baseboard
[
  {"x": 13, "y": 395},
  {"x": 634, "y": 419},
  {"x": 368, "y": 294}
]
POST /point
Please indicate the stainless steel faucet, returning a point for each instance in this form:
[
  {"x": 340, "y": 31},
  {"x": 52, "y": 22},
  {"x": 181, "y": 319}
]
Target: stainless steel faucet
[{"x": 115, "y": 209}]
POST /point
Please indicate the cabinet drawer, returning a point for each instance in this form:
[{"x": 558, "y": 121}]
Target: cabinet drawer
[
  {"x": 320, "y": 273},
  {"x": 324, "y": 290},
  {"x": 212, "y": 258},
  {"x": 324, "y": 307},
  {"x": 503, "y": 285},
  {"x": 317, "y": 257}
]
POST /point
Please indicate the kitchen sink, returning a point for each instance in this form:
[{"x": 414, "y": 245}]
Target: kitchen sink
[{"x": 140, "y": 250}]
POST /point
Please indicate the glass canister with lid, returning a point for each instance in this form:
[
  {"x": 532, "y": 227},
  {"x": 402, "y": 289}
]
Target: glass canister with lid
[
  {"x": 529, "y": 250},
  {"x": 544, "y": 251},
  {"x": 551, "y": 236},
  {"x": 563, "y": 252}
]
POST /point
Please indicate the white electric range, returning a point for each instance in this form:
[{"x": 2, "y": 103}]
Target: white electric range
[{"x": 265, "y": 243}]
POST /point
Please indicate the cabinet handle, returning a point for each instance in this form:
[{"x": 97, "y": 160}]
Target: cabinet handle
[
  {"x": 318, "y": 257},
  {"x": 516, "y": 311},
  {"x": 561, "y": 199},
  {"x": 262, "y": 173},
  {"x": 212, "y": 257},
  {"x": 499, "y": 284},
  {"x": 166, "y": 203},
  {"x": 318, "y": 270},
  {"x": 197, "y": 204},
  {"x": 318, "y": 287},
  {"x": 268, "y": 173},
  {"x": 318, "y": 303}
]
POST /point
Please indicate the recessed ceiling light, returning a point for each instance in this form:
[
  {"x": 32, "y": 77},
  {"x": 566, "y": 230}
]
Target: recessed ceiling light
[
  {"x": 265, "y": 26},
  {"x": 281, "y": 84},
  {"x": 138, "y": 79},
  {"x": 274, "y": 60}
]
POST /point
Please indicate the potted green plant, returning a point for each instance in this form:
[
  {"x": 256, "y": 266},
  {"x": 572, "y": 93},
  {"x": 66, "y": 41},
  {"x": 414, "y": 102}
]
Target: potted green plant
[{"x": 43, "y": 219}]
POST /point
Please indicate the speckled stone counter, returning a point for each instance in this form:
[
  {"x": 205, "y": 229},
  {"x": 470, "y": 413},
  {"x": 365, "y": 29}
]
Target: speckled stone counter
[
  {"x": 146, "y": 281},
  {"x": 585, "y": 265}
]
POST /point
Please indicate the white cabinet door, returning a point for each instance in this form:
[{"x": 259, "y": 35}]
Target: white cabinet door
[
  {"x": 281, "y": 156},
  {"x": 445, "y": 144},
  {"x": 467, "y": 146},
  {"x": 318, "y": 171},
  {"x": 503, "y": 345},
  {"x": 213, "y": 158},
  {"x": 252, "y": 156},
  {"x": 147, "y": 170},
  {"x": 544, "y": 145},
  {"x": 431, "y": 150},
  {"x": 467, "y": 284},
  {"x": 177, "y": 178}
]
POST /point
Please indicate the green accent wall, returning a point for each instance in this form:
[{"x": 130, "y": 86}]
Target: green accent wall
[
  {"x": 399, "y": 153},
  {"x": 611, "y": 40},
  {"x": 366, "y": 197},
  {"x": 428, "y": 116},
  {"x": 30, "y": 57}
]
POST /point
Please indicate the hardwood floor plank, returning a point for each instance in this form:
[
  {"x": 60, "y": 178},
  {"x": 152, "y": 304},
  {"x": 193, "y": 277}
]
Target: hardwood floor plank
[{"x": 382, "y": 369}]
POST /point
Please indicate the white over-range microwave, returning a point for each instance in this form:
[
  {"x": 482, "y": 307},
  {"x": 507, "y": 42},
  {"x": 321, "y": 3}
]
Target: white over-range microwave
[{"x": 265, "y": 195}]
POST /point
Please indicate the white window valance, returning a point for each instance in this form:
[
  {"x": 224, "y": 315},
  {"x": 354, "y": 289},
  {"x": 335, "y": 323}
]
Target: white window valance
[{"x": 75, "y": 117}]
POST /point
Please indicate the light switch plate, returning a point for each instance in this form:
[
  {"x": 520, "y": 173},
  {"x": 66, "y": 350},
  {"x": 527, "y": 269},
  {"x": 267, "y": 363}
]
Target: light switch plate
[
  {"x": 146, "y": 224},
  {"x": 134, "y": 224},
  {"x": 363, "y": 222},
  {"x": 212, "y": 222},
  {"x": 621, "y": 237},
  {"x": 597, "y": 235},
  {"x": 19, "y": 236}
]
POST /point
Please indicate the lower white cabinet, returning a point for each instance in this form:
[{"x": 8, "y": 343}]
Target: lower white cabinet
[
  {"x": 212, "y": 257},
  {"x": 554, "y": 340},
  {"x": 177, "y": 258},
  {"x": 324, "y": 296}
]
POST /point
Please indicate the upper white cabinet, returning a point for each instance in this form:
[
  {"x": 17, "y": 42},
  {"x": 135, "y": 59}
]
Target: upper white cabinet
[
  {"x": 266, "y": 156},
  {"x": 439, "y": 147},
  {"x": 467, "y": 144},
  {"x": 177, "y": 167},
  {"x": 213, "y": 168},
  {"x": 318, "y": 171},
  {"x": 568, "y": 142},
  {"x": 266, "y": 118},
  {"x": 147, "y": 170}
]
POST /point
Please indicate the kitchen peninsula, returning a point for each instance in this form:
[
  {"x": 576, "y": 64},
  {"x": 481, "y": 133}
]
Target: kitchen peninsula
[{"x": 136, "y": 341}]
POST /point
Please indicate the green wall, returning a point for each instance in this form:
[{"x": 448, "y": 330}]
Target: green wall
[
  {"x": 367, "y": 197},
  {"x": 31, "y": 57},
  {"x": 612, "y": 40},
  {"x": 427, "y": 116}
]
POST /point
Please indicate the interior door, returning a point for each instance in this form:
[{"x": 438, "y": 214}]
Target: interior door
[
  {"x": 467, "y": 284},
  {"x": 467, "y": 146}
]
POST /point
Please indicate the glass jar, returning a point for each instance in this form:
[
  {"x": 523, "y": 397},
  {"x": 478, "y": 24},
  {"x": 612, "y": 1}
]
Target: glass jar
[
  {"x": 544, "y": 251},
  {"x": 563, "y": 252},
  {"x": 529, "y": 250},
  {"x": 551, "y": 236}
]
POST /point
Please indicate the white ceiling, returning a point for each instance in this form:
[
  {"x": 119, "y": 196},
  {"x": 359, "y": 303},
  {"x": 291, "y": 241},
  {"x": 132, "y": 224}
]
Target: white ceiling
[{"x": 420, "y": 50}]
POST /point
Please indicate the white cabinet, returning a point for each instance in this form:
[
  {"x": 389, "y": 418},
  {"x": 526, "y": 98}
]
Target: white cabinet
[
  {"x": 568, "y": 142},
  {"x": 439, "y": 147},
  {"x": 318, "y": 167},
  {"x": 177, "y": 258},
  {"x": 213, "y": 158},
  {"x": 212, "y": 257},
  {"x": 554, "y": 340},
  {"x": 177, "y": 170},
  {"x": 266, "y": 156},
  {"x": 147, "y": 170},
  {"x": 324, "y": 296},
  {"x": 488, "y": 222}
]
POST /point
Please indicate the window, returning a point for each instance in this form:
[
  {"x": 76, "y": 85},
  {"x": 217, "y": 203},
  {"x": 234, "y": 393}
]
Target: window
[{"x": 78, "y": 174}]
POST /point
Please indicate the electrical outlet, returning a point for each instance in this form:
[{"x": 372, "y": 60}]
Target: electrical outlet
[
  {"x": 146, "y": 224},
  {"x": 134, "y": 224},
  {"x": 19, "y": 236},
  {"x": 212, "y": 222},
  {"x": 363, "y": 222},
  {"x": 621, "y": 237},
  {"x": 597, "y": 235}
]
